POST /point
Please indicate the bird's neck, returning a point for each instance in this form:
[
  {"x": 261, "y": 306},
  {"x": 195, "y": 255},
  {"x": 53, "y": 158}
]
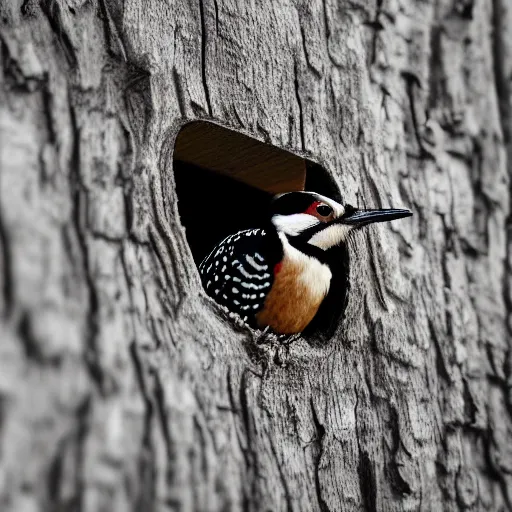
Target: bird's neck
[{"x": 301, "y": 245}]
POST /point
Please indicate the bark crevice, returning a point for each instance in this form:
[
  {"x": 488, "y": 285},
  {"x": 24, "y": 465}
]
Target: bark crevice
[{"x": 203, "y": 57}]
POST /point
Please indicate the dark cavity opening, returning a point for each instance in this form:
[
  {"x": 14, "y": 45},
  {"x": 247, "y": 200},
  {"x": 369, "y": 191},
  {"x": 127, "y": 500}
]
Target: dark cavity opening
[{"x": 225, "y": 181}]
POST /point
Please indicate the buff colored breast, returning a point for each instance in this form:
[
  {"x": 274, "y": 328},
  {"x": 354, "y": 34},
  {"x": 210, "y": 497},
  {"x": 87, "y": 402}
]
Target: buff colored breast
[{"x": 300, "y": 285}]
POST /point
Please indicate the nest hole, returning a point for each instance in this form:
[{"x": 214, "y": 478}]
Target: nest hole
[{"x": 225, "y": 181}]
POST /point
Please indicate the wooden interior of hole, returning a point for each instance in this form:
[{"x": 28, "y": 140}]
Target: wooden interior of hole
[{"x": 210, "y": 146}]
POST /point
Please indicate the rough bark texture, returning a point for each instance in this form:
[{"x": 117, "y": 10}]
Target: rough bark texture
[{"x": 123, "y": 387}]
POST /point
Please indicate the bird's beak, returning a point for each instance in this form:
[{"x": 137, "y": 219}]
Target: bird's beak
[{"x": 357, "y": 218}]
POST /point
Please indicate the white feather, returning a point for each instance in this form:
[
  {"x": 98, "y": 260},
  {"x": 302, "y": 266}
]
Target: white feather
[
  {"x": 330, "y": 236},
  {"x": 294, "y": 224}
]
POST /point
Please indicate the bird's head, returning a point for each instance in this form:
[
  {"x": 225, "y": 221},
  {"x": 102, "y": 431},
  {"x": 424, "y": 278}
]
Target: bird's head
[{"x": 308, "y": 217}]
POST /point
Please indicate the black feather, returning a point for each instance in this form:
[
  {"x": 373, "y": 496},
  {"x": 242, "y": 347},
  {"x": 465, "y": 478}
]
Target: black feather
[{"x": 239, "y": 272}]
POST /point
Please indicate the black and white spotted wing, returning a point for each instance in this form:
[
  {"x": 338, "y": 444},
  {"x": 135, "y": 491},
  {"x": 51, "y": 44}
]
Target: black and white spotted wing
[{"x": 239, "y": 272}]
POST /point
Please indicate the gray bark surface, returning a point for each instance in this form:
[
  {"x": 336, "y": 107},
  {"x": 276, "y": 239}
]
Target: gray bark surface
[{"x": 123, "y": 387}]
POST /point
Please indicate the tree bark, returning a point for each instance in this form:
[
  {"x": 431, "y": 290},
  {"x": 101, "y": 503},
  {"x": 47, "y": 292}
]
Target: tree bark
[{"x": 123, "y": 387}]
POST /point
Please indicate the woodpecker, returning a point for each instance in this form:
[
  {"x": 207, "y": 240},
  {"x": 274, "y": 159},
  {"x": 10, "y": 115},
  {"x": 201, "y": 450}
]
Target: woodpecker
[{"x": 277, "y": 276}]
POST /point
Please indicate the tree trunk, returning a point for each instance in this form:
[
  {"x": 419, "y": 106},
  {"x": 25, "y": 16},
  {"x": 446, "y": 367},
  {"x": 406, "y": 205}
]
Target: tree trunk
[{"x": 123, "y": 387}]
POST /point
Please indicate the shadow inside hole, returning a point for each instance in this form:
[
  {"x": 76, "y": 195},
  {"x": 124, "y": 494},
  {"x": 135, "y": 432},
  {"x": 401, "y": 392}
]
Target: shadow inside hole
[
  {"x": 331, "y": 312},
  {"x": 212, "y": 204}
]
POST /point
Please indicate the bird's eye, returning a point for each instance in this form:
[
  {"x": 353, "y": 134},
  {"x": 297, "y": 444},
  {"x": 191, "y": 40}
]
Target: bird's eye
[{"x": 324, "y": 210}]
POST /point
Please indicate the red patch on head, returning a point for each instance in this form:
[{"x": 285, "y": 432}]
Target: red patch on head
[
  {"x": 312, "y": 208},
  {"x": 277, "y": 267}
]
